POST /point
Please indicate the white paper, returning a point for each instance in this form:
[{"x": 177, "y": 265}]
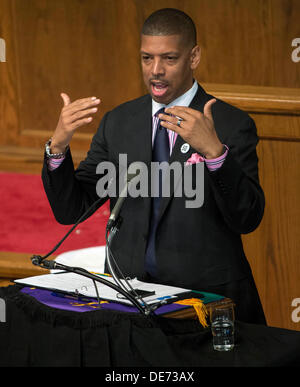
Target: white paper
[{"x": 76, "y": 283}]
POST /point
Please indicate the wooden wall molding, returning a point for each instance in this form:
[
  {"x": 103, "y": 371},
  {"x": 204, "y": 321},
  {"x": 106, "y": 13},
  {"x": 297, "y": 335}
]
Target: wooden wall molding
[
  {"x": 259, "y": 99},
  {"x": 264, "y": 104},
  {"x": 276, "y": 111},
  {"x": 21, "y": 267}
]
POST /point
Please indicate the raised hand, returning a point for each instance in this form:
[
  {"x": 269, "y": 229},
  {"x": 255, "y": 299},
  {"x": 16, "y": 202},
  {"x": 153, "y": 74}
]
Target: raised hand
[
  {"x": 73, "y": 115},
  {"x": 195, "y": 128}
]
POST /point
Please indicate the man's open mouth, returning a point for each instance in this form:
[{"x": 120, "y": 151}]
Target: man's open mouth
[{"x": 159, "y": 88}]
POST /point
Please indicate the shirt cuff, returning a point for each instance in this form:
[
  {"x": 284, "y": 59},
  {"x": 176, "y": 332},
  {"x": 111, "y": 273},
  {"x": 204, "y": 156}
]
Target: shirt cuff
[
  {"x": 54, "y": 163},
  {"x": 214, "y": 164}
]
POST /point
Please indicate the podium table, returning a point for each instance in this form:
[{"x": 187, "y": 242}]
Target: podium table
[{"x": 34, "y": 334}]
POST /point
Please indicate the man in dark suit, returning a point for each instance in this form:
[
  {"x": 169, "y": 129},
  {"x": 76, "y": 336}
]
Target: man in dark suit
[{"x": 161, "y": 240}]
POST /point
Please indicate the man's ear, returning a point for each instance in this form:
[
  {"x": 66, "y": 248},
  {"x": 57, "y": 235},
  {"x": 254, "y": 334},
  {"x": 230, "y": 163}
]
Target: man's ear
[{"x": 195, "y": 57}]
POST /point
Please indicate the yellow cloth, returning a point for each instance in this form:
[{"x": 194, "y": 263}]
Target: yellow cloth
[{"x": 199, "y": 307}]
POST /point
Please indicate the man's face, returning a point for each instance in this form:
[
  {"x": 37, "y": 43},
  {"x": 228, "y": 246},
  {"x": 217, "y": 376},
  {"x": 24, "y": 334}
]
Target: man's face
[{"x": 167, "y": 66}]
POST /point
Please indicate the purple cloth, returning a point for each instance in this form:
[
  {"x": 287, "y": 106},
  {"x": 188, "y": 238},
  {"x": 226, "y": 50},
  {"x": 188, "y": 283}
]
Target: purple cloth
[{"x": 83, "y": 304}]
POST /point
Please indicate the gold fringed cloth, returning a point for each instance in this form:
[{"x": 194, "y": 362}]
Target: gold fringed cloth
[{"x": 199, "y": 308}]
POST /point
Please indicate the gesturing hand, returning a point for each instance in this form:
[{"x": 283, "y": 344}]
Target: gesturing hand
[
  {"x": 195, "y": 128},
  {"x": 73, "y": 115}
]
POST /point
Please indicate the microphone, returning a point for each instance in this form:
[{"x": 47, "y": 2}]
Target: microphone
[
  {"x": 38, "y": 260},
  {"x": 42, "y": 261},
  {"x": 133, "y": 295},
  {"x": 117, "y": 208}
]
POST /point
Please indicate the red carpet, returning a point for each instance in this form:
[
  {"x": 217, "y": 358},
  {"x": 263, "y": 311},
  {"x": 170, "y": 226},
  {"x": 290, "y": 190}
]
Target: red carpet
[{"x": 28, "y": 225}]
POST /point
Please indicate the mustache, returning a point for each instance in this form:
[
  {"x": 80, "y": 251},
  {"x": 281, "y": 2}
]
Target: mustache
[{"x": 158, "y": 79}]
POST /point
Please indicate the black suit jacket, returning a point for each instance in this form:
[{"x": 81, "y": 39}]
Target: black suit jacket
[{"x": 195, "y": 248}]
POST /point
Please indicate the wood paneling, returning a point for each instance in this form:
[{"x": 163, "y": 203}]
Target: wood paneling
[
  {"x": 259, "y": 99},
  {"x": 244, "y": 42},
  {"x": 273, "y": 248},
  {"x": 91, "y": 47},
  {"x": 17, "y": 265}
]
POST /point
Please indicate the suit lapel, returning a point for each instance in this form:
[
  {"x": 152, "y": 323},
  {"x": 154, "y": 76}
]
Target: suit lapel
[
  {"x": 140, "y": 142},
  {"x": 178, "y": 155},
  {"x": 197, "y": 103},
  {"x": 142, "y": 149}
]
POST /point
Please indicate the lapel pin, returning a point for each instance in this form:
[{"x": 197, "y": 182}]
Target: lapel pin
[{"x": 185, "y": 148}]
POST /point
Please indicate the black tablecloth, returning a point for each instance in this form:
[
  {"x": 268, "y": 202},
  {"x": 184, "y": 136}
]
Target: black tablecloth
[{"x": 37, "y": 335}]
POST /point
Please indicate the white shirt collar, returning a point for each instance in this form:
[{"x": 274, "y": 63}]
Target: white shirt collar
[{"x": 184, "y": 100}]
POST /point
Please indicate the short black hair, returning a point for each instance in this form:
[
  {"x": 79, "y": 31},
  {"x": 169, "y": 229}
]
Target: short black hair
[{"x": 171, "y": 21}]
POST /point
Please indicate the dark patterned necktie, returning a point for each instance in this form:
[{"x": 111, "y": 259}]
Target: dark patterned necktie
[{"x": 160, "y": 153}]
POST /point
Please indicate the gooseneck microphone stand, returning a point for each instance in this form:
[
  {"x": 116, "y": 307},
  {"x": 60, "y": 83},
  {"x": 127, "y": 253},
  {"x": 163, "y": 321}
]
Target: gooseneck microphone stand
[
  {"x": 47, "y": 264},
  {"x": 111, "y": 229}
]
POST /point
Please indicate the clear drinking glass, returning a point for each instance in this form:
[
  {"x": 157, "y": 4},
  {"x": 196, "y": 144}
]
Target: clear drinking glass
[{"x": 222, "y": 327}]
